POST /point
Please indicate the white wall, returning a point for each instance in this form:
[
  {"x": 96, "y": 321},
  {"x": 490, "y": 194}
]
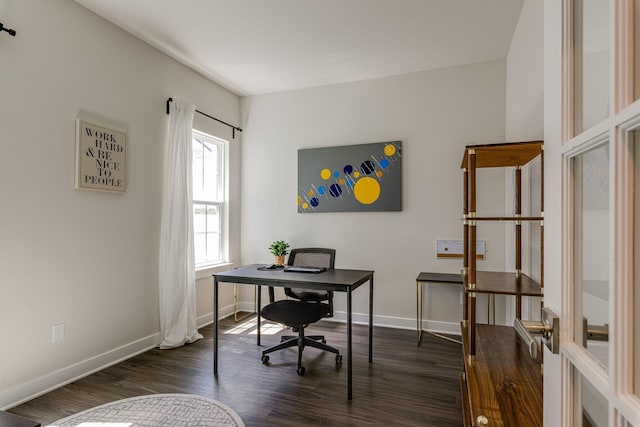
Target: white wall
[
  {"x": 524, "y": 122},
  {"x": 82, "y": 258},
  {"x": 435, "y": 114},
  {"x": 525, "y": 77}
]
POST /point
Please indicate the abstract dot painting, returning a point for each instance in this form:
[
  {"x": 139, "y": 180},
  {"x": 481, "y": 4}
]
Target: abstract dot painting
[{"x": 350, "y": 178}]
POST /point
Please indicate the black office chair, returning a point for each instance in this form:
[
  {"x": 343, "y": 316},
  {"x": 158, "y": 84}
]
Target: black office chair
[{"x": 304, "y": 308}]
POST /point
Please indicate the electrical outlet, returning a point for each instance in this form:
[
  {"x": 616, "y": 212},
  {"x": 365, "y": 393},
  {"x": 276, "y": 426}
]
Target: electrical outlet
[{"x": 57, "y": 333}]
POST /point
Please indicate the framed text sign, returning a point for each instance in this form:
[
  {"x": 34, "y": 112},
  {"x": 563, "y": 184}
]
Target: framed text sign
[{"x": 101, "y": 158}]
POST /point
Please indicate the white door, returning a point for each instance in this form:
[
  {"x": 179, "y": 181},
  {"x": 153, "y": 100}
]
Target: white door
[{"x": 597, "y": 155}]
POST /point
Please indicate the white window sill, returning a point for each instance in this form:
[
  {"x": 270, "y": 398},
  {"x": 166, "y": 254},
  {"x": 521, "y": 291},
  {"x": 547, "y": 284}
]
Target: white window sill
[{"x": 207, "y": 271}]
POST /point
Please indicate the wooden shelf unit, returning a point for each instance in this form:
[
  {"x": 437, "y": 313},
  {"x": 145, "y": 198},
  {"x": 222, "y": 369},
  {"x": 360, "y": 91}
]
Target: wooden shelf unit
[
  {"x": 511, "y": 154},
  {"x": 501, "y": 384}
]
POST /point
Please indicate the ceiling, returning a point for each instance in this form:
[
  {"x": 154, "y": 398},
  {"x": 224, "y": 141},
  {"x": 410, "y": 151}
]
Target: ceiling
[{"x": 262, "y": 46}]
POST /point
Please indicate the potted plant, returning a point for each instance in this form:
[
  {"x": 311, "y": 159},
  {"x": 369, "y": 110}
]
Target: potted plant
[{"x": 279, "y": 249}]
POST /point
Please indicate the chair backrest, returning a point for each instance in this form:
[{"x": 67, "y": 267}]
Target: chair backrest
[{"x": 312, "y": 257}]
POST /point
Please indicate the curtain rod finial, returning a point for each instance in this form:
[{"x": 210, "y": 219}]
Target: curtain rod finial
[{"x": 11, "y": 31}]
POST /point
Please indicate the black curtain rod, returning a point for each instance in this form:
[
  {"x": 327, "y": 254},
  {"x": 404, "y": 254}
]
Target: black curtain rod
[
  {"x": 234, "y": 128},
  {"x": 11, "y": 31}
]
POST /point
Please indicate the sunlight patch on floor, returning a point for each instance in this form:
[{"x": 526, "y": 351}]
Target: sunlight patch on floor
[{"x": 250, "y": 327}]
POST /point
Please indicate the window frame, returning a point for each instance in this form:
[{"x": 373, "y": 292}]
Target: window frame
[{"x": 206, "y": 268}]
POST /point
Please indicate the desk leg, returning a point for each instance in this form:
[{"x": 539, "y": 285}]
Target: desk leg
[
  {"x": 349, "y": 338},
  {"x": 418, "y": 311},
  {"x": 371, "y": 320},
  {"x": 215, "y": 326},
  {"x": 420, "y": 314},
  {"x": 258, "y": 312}
]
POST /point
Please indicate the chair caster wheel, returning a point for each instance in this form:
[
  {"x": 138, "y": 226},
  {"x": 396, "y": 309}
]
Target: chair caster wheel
[
  {"x": 338, "y": 359},
  {"x": 265, "y": 360},
  {"x": 301, "y": 370}
]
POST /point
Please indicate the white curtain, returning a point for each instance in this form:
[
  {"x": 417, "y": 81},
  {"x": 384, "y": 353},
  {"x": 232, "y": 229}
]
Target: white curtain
[{"x": 177, "y": 260}]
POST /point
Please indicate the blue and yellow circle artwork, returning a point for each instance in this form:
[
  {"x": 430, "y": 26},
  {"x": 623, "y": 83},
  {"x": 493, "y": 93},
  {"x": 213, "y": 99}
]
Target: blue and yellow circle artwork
[{"x": 361, "y": 177}]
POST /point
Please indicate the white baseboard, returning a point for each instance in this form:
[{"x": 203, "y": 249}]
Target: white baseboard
[
  {"x": 452, "y": 328},
  {"x": 24, "y": 392},
  {"x": 207, "y": 319}
]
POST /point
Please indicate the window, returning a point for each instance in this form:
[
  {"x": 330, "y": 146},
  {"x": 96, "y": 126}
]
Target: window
[{"x": 209, "y": 204}]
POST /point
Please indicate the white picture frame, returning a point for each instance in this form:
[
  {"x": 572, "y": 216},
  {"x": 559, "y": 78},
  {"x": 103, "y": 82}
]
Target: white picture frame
[{"x": 101, "y": 158}]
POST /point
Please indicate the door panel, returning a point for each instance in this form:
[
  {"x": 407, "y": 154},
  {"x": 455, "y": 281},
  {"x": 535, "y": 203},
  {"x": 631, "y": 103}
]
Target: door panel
[
  {"x": 591, "y": 259},
  {"x": 600, "y": 166},
  {"x": 592, "y": 407},
  {"x": 591, "y": 62}
]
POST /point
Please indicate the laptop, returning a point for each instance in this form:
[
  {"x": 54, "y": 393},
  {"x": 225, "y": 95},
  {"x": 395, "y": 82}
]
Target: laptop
[{"x": 304, "y": 269}]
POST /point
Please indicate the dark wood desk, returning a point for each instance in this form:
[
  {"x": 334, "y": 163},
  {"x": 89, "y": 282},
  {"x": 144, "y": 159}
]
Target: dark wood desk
[{"x": 337, "y": 280}]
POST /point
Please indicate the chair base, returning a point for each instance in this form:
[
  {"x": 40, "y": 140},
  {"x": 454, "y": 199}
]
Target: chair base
[
  {"x": 319, "y": 338},
  {"x": 301, "y": 341}
]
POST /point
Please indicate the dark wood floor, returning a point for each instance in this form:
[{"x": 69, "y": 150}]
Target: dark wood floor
[{"x": 405, "y": 386}]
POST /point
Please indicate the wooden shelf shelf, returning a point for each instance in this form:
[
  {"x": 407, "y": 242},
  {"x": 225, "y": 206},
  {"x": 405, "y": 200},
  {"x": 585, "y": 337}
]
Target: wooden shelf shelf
[
  {"x": 503, "y": 155},
  {"x": 498, "y": 282},
  {"x": 503, "y": 382}
]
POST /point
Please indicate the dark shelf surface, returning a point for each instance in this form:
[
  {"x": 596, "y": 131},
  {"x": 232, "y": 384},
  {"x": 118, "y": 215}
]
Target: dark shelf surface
[{"x": 498, "y": 282}]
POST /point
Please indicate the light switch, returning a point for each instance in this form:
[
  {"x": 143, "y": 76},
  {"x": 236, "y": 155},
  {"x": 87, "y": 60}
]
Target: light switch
[
  {"x": 57, "y": 333},
  {"x": 455, "y": 248}
]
